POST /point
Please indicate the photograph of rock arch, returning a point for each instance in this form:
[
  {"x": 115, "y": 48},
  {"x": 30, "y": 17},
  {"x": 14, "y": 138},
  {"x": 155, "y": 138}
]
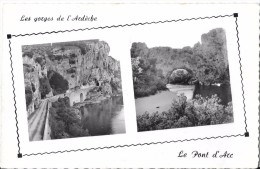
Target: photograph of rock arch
[
  {"x": 182, "y": 87},
  {"x": 72, "y": 89}
]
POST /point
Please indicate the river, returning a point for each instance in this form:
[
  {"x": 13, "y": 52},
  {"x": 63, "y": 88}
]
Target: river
[
  {"x": 223, "y": 92},
  {"x": 162, "y": 101},
  {"x": 104, "y": 118}
]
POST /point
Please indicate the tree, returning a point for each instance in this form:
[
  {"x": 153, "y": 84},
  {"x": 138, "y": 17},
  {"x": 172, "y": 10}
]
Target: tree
[
  {"x": 139, "y": 50},
  {"x": 213, "y": 54},
  {"x": 199, "y": 111},
  {"x": 45, "y": 87},
  {"x": 28, "y": 95},
  {"x": 57, "y": 82},
  {"x": 64, "y": 121},
  {"x": 147, "y": 78}
]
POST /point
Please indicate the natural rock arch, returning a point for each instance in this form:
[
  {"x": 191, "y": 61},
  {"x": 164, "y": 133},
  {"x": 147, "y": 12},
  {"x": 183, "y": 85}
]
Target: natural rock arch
[{"x": 180, "y": 76}]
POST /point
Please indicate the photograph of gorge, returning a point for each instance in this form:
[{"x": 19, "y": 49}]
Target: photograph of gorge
[
  {"x": 72, "y": 89},
  {"x": 182, "y": 87}
]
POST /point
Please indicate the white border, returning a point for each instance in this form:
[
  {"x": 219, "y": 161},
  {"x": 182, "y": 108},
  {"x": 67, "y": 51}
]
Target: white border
[{"x": 132, "y": 137}]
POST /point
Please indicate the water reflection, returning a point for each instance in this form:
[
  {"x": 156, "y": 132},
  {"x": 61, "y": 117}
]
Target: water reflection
[
  {"x": 162, "y": 101},
  {"x": 223, "y": 92},
  {"x": 159, "y": 102},
  {"x": 104, "y": 118}
]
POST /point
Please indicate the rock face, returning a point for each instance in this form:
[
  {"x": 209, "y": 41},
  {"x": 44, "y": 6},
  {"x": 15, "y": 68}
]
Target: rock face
[
  {"x": 206, "y": 61},
  {"x": 215, "y": 46},
  {"x": 80, "y": 63},
  {"x": 33, "y": 72}
]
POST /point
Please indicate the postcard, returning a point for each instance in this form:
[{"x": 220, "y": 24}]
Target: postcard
[{"x": 129, "y": 85}]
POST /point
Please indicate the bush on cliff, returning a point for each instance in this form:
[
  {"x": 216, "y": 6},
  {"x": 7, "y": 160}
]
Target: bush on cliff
[
  {"x": 196, "y": 112},
  {"x": 28, "y": 95},
  {"x": 138, "y": 49},
  {"x": 115, "y": 86},
  {"x": 57, "y": 82},
  {"x": 28, "y": 53},
  {"x": 45, "y": 87},
  {"x": 33, "y": 87},
  {"x": 40, "y": 60},
  {"x": 147, "y": 78},
  {"x": 211, "y": 57}
]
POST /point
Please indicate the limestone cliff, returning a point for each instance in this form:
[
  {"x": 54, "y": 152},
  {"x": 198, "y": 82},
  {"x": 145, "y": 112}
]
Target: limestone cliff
[
  {"x": 215, "y": 46},
  {"x": 79, "y": 63}
]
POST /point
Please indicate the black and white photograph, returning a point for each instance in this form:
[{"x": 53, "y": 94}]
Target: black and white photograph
[
  {"x": 72, "y": 89},
  {"x": 106, "y": 84},
  {"x": 187, "y": 86}
]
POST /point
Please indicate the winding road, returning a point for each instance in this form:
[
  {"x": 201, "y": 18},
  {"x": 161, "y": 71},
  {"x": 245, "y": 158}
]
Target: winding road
[
  {"x": 38, "y": 127},
  {"x": 37, "y": 121}
]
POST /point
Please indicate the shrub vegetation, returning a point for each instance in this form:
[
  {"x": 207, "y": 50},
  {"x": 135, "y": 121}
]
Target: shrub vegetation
[
  {"x": 28, "y": 95},
  {"x": 196, "y": 112},
  {"x": 147, "y": 79},
  {"x": 45, "y": 87},
  {"x": 64, "y": 122},
  {"x": 29, "y": 54},
  {"x": 57, "y": 82}
]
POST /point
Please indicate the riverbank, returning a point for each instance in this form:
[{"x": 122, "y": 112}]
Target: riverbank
[
  {"x": 162, "y": 100},
  {"x": 100, "y": 115},
  {"x": 95, "y": 97},
  {"x": 187, "y": 113},
  {"x": 105, "y": 117},
  {"x": 159, "y": 102},
  {"x": 187, "y": 90}
]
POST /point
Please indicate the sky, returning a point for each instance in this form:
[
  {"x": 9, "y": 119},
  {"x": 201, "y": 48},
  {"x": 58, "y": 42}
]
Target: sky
[{"x": 175, "y": 35}]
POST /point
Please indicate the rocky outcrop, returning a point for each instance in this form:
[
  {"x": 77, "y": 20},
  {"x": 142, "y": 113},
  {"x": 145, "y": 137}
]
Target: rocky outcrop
[
  {"x": 214, "y": 42},
  {"x": 33, "y": 72},
  {"x": 214, "y": 46},
  {"x": 80, "y": 63},
  {"x": 207, "y": 60}
]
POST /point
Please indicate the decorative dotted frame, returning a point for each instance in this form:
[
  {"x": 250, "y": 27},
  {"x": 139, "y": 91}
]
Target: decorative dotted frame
[{"x": 10, "y": 36}]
